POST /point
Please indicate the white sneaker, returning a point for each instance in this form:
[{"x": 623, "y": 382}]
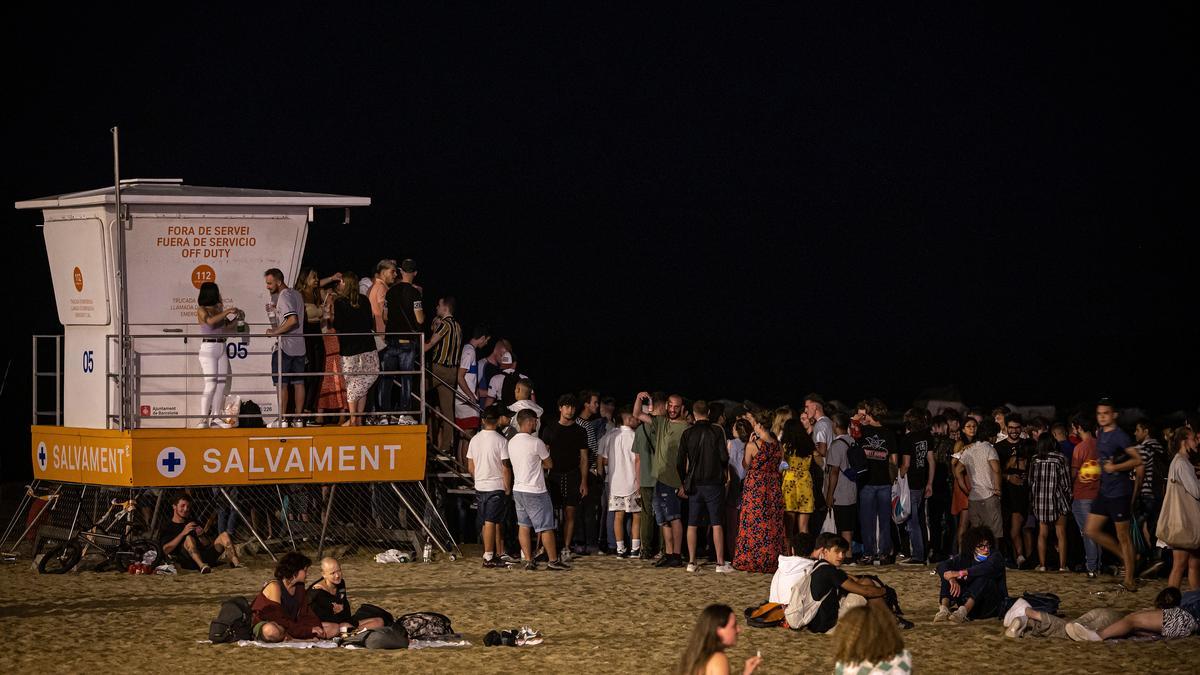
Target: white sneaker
[
  {"x": 724, "y": 569},
  {"x": 959, "y": 615},
  {"x": 1041, "y": 568},
  {"x": 201, "y": 425},
  {"x": 565, "y": 555},
  {"x": 221, "y": 424},
  {"x": 405, "y": 419},
  {"x": 1017, "y": 610},
  {"x": 943, "y": 614},
  {"x": 1080, "y": 633},
  {"x": 277, "y": 424},
  {"x": 692, "y": 567}
]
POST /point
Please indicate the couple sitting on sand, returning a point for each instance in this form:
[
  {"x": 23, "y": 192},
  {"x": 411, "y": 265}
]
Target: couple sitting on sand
[
  {"x": 284, "y": 609},
  {"x": 837, "y": 592}
]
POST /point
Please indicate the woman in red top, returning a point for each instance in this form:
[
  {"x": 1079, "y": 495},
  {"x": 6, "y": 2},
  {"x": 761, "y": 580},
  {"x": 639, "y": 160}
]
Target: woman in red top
[
  {"x": 760, "y": 530},
  {"x": 281, "y": 609}
]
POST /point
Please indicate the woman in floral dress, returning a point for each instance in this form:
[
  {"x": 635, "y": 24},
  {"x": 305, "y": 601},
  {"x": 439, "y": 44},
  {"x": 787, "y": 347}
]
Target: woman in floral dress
[{"x": 760, "y": 529}]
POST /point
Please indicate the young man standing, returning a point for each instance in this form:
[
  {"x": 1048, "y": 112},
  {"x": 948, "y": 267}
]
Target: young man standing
[
  {"x": 1085, "y": 476},
  {"x": 643, "y": 447},
  {"x": 875, "y": 497},
  {"x": 528, "y": 455},
  {"x": 841, "y": 492},
  {"x": 466, "y": 414},
  {"x": 982, "y": 466},
  {"x": 567, "y": 442},
  {"x": 404, "y": 312},
  {"x": 444, "y": 348},
  {"x": 1149, "y": 486},
  {"x": 623, "y": 467},
  {"x": 1118, "y": 458},
  {"x": 286, "y": 313},
  {"x": 704, "y": 466},
  {"x": 822, "y": 426},
  {"x": 916, "y": 449},
  {"x": 493, "y": 483},
  {"x": 665, "y": 432},
  {"x": 593, "y": 425}
]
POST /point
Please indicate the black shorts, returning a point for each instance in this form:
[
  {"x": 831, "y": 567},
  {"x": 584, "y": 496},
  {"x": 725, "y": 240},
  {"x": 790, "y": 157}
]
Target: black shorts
[
  {"x": 492, "y": 506},
  {"x": 845, "y": 517},
  {"x": 563, "y": 488},
  {"x": 208, "y": 554},
  {"x": 1113, "y": 508}
]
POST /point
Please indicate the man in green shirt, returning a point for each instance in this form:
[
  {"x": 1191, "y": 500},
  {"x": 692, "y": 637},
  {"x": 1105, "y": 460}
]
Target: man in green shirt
[
  {"x": 665, "y": 432},
  {"x": 643, "y": 447}
]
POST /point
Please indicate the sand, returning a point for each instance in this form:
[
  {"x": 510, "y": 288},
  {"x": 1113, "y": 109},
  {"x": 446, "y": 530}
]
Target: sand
[{"x": 606, "y": 616}]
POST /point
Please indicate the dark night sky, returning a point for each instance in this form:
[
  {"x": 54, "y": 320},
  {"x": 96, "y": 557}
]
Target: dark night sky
[{"x": 742, "y": 205}]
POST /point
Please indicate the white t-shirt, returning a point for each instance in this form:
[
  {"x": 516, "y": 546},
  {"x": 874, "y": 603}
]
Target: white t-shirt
[
  {"x": 487, "y": 451},
  {"x": 526, "y": 453},
  {"x": 975, "y": 460},
  {"x": 525, "y": 405},
  {"x": 823, "y": 432},
  {"x": 602, "y": 451},
  {"x": 468, "y": 363},
  {"x": 792, "y": 568},
  {"x": 621, "y": 459}
]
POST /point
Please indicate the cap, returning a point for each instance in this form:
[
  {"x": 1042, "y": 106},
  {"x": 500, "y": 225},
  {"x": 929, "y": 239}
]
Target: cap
[
  {"x": 507, "y": 359},
  {"x": 408, "y": 265}
]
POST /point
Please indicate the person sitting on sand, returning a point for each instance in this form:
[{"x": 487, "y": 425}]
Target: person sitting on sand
[
  {"x": 1174, "y": 616},
  {"x": 839, "y": 592},
  {"x": 974, "y": 581},
  {"x": 806, "y": 549},
  {"x": 867, "y": 641},
  {"x": 329, "y": 601},
  {"x": 183, "y": 540},
  {"x": 280, "y": 610},
  {"x": 715, "y": 631}
]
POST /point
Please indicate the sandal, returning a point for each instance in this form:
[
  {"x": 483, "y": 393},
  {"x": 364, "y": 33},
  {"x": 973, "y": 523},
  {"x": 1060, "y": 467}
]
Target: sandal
[{"x": 206, "y": 570}]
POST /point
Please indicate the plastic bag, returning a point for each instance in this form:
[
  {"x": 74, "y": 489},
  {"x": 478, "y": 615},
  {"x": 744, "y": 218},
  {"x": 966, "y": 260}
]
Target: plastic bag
[
  {"x": 901, "y": 500},
  {"x": 231, "y": 409},
  {"x": 830, "y": 524}
]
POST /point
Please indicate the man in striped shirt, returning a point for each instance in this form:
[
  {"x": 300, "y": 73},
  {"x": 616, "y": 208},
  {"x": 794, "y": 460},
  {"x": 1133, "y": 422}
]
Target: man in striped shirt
[{"x": 445, "y": 349}]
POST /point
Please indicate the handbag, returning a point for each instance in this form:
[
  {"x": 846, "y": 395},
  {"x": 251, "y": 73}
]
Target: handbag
[
  {"x": 830, "y": 524},
  {"x": 1179, "y": 520}
]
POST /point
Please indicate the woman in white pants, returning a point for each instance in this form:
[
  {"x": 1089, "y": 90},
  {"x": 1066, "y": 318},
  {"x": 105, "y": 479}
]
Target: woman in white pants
[{"x": 214, "y": 319}]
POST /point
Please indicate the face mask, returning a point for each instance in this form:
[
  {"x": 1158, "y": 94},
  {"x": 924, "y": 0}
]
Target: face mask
[{"x": 980, "y": 557}]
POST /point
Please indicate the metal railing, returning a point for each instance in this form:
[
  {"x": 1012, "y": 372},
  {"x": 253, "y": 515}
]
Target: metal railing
[
  {"x": 56, "y": 375},
  {"x": 134, "y": 388}
]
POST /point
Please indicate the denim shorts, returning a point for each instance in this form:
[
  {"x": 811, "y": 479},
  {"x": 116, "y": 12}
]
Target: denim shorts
[
  {"x": 708, "y": 498},
  {"x": 491, "y": 505},
  {"x": 534, "y": 510},
  {"x": 666, "y": 503},
  {"x": 291, "y": 364}
]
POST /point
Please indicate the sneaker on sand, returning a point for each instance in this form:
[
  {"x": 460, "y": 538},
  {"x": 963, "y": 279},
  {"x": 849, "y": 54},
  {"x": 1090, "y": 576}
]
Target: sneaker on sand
[
  {"x": 675, "y": 560},
  {"x": 724, "y": 569},
  {"x": 664, "y": 561},
  {"x": 622, "y": 554},
  {"x": 489, "y": 563},
  {"x": 565, "y": 555},
  {"x": 692, "y": 567},
  {"x": 1080, "y": 633},
  {"x": 943, "y": 614},
  {"x": 959, "y": 615},
  {"x": 506, "y": 558},
  {"x": 1015, "y": 619},
  {"x": 531, "y": 566},
  {"x": 557, "y": 565}
]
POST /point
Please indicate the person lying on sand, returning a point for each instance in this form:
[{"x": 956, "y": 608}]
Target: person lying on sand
[
  {"x": 183, "y": 540},
  {"x": 329, "y": 601},
  {"x": 1174, "y": 616},
  {"x": 280, "y": 611}
]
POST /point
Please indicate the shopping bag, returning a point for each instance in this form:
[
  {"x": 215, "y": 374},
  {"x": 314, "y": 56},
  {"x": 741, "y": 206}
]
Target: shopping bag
[
  {"x": 1179, "y": 520},
  {"x": 830, "y": 524},
  {"x": 901, "y": 500},
  {"x": 231, "y": 409}
]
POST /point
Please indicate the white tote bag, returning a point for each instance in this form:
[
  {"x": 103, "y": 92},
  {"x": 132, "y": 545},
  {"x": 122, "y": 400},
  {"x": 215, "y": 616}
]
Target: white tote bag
[{"x": 901, "y": 500}]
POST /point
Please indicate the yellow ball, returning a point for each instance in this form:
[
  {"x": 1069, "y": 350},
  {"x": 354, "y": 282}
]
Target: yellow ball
[{"x": 1089, "y": 471}]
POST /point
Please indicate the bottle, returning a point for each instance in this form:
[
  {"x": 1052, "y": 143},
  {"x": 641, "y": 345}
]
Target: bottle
[{"x": 427, "y": 553}]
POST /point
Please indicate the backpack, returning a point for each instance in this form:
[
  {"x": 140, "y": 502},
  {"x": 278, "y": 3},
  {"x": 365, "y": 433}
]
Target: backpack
[
  {"x": 856, "y": 460},
  {"x": 250, "y": 415},
  {"x": 232, "y": 622},
  {"x": 425, "y": 625},
  {"x": 802, "y": 606},
  {"x": 766, "y": 615},
  {"x": 388, "y": 637},
  {"x": 508, "y": 388}
]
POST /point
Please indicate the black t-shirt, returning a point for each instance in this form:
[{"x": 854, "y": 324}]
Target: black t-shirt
[
  {"x": 564, "y": 443},
  {"x": 827, "y": 583},
  {"x": 350, "y": 319},
  {"x": 702, "y": 447},
  {"x": 169, "y": 531},
  {"x": 403, "y": 300},
  {"x": 1005, "y": 449},
  {"x": 321, "y": 601},
  {"x": 878, "y": 444},
  {"x": 916, "y": 446}
]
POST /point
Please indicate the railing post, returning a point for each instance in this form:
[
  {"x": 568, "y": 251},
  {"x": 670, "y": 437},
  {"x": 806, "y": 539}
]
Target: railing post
[{"x": 35, "y": 379}]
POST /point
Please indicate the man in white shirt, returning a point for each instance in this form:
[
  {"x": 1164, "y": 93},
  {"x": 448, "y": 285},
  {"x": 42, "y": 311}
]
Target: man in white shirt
[
  {"x": 528, "y": 456},
  {"x": 982, "y": 465},
  {"x": 493, "y": 482},
  {"x": 822, "y": 431},
  {"x": 466, "y": 414},
  {"x": 524, "y": 394},
  {"x": 623, "y": 467}
]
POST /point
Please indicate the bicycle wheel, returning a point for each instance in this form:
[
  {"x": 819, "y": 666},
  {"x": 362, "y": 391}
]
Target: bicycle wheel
[
  {"x": 60, "y": 559},
  {"x": 135, "y": 552}
]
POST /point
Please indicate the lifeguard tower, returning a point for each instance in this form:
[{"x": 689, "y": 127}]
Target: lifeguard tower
[{"x": 126, "y": 263}]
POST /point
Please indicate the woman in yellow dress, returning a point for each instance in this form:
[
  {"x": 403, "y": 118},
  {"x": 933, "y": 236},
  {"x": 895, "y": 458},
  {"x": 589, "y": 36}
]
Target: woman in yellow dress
[{"x": 798, "y": 502}]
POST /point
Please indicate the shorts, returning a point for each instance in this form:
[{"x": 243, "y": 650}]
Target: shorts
[
  {"x": 1113, "y": 508},
  {"x": 845, "y": 518},
  {"x": 564, "y": 488},
  {"x": 467, "y": 423},
  {"x": 1178, "y": 623},
  {"x": 491, "y": 505},
  {"x": 986, "y": 512},
  {"x": 710, "y": 498},
  {"x": 290, "y": 364},
  {"x": 666, "y": 504},
  {"x": 208, "y": 554},
  {"x": 534, "y": 510},
  {"x": 630, "y": 504}
]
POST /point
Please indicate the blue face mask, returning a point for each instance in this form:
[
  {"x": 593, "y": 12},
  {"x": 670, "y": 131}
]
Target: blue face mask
[{"x": 980, "y": 557}]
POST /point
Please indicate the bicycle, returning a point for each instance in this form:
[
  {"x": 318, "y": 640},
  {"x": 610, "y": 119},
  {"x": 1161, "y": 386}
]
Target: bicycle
[{"x": 118, "y": 549}]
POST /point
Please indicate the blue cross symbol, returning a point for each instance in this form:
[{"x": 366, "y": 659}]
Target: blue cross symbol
[
  {"x": 42, "y": 454},
  {"x": 170, "y": 461}
]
